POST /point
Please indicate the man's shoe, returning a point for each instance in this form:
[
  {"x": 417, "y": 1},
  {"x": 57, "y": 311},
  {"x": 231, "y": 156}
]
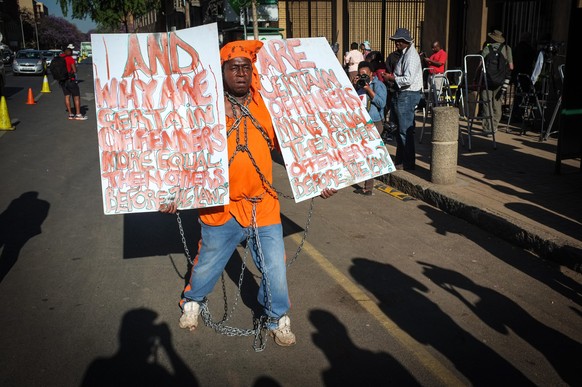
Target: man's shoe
[
  {"x": 189, "y": 318},
  {"x": 282, "y": 334},
  {"x": 363, "y": 191}
]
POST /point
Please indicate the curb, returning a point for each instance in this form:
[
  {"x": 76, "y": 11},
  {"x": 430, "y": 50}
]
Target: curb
[{"x": 539, "y": 242}]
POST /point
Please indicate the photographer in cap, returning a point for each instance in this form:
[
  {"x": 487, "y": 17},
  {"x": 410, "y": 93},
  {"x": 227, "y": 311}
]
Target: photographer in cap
[{"x": 366, "y": 83}]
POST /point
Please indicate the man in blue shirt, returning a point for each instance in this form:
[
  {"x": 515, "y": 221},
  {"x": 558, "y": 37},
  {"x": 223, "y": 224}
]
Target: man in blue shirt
[{"x": 375, "y": 90}]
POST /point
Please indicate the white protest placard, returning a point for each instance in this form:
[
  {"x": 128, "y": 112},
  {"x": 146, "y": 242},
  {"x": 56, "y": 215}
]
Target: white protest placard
[
  {"x": 160, "y": 119},
  {"x": 327, "y": 137}
]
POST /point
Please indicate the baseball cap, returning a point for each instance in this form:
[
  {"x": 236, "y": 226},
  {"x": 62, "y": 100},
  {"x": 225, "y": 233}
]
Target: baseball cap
[{"x": 71, "y": 46}]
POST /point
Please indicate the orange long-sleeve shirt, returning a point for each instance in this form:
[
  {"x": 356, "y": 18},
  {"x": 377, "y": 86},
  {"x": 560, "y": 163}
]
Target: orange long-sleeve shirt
[{"x": 244, "y": 180}]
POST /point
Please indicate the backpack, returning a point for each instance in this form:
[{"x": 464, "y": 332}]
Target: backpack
[
  {"x": 58, "y": 68},
  {"x": 496, "y": 66}
]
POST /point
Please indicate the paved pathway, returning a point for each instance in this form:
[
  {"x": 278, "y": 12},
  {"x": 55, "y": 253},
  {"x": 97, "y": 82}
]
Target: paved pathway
[{"x": 512, "y": 191}]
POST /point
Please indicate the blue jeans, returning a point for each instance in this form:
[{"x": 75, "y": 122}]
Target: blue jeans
[
  {"x": 404, "y": 104},
  {"x": 216, "y": 248}
]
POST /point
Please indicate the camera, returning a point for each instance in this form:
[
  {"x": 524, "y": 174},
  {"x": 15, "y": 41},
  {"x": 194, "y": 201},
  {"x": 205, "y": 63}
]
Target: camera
[
  {"x": 363, "y": 80},
  {"x": 551, "y": 49},
  {"x": 503, "y": 90}
]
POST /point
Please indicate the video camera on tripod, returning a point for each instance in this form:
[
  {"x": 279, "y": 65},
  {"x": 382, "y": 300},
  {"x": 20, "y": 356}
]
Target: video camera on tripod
[{"x": 551, "y": 49}]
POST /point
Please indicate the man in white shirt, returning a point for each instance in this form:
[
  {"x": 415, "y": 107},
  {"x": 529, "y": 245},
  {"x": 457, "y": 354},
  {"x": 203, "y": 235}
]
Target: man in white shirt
[
  {"x": 407, "y": 78},
  {"x": 352, "y": 59}
]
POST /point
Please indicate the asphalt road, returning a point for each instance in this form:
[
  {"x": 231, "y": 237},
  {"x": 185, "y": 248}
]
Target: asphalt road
[{"x": 384, "y": 291}]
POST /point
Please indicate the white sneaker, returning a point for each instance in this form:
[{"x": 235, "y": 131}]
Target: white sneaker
[
  {"x": 189, "y": 318},
  {"x": 282, "y": 334}
]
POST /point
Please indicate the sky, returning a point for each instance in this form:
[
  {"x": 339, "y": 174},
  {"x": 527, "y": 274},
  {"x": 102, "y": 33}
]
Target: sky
[{"x": 55, "y": 10}]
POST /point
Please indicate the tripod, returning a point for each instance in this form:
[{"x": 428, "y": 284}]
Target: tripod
[{"x": 548, "y": 132}]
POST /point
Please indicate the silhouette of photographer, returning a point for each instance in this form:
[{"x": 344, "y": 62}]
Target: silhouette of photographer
[
  {"x": 18, "y": 223},
  {"x": 136, "y": 361}
]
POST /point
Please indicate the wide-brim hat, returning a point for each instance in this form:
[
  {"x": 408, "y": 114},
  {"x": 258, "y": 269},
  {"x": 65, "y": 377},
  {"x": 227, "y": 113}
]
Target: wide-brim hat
[
  {"x": 402, "y": 34},
  {"x": 497, "y": 36},
  {"x": 367, "y": 45}
]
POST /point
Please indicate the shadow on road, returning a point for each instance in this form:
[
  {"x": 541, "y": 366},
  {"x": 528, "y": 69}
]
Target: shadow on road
[
  {"x": 401, "y": 299},
  {"x": 9, "y": 91},
  {"x": 136, "y": 361},
  {"x": 350, "y": 365},
  {"x": 20, "y": 222},
  {"x": 505, "y": 316},
  {"x": 154, "y": 233},
  {"x": 546, "y": 273}
]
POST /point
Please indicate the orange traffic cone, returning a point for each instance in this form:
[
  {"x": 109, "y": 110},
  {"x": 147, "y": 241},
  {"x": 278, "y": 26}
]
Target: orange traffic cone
[
  {"x": 45, "y": 85},
  {"x": 30, "y": 97},
  {"x": 5, "y": 123}
]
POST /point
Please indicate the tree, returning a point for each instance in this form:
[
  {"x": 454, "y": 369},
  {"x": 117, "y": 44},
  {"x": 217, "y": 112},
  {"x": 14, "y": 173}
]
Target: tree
[
  {"x": 109, "y": 13},
  {"x": 57, "y": 32},
  {"x": 28, "y": 31}
]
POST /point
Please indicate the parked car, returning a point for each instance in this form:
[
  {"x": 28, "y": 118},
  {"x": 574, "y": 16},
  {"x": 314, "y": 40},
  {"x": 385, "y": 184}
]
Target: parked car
[
  {"x": 48, "y": 56},
  {"x": 28, "y": 62},
  {"x": 6, "y": 55},
  {"x": 2, "y": 79}
]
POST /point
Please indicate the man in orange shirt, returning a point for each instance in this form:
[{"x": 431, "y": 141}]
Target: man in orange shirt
[{"x": 253, "y": 214}]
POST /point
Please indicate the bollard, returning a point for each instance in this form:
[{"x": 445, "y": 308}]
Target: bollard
[{"x": 445, "y": 134}]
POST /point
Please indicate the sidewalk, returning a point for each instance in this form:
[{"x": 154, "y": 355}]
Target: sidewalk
[{"x": 511, "y": 192}]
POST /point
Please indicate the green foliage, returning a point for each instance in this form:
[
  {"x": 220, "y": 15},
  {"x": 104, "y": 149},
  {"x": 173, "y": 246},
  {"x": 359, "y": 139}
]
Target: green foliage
[
  {"x": 57, "y": 32},
  {"x": 111, "y": 14}
]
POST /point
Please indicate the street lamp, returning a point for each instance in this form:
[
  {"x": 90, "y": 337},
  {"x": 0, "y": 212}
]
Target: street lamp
[{"x": 36, "y": 30}]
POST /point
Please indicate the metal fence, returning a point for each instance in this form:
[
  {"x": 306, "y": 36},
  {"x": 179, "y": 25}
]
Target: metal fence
[
  {"x": 309, "y": 18},
  {"x": 371, "y": 20},
  {"x": 376, "y": 20}
]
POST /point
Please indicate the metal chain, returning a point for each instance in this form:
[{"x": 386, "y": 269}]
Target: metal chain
[
  {"x": 245, "y": 112},
  {"x": 261, "y": 260},
  {"x": 243, "y": 148},
  {"x": 186, "y": 251},
  {"x": 305, "y": 231},
  {"x": 260, "y": 324}
]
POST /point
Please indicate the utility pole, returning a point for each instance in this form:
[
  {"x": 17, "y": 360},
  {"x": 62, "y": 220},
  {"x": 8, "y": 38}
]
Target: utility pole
[
  {"x": 36, "y": 31},
  {"x": 22, "y": 30},
  {"x": 243, "y": 18},
  {"x": 255, "y": 21},
  {"x": 187, "y": 13}
]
